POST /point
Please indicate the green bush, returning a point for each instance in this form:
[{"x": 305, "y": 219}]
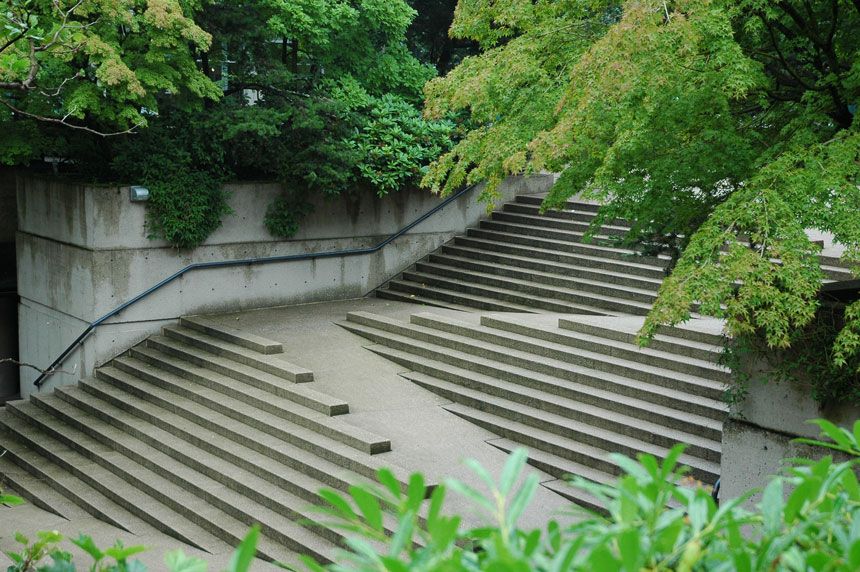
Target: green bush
[{"x": 284, "y": 215}]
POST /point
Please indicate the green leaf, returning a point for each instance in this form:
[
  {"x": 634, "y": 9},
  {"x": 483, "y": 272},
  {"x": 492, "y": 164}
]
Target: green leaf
[
  {"x": 772, "y": 504},
  {"x": 513, "y": 468},
  {"x": 85, "y": 543},
  {"x": 521, "y": 499},
  {"x": 177, "y": 561},
  {"x": 244, "y": 554},
  {"x": 369, "y": 506}
]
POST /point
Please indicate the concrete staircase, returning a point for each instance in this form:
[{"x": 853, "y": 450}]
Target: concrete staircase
[
  {"x": 522, "y": 261},
  {"x": 198, "y": 433}
]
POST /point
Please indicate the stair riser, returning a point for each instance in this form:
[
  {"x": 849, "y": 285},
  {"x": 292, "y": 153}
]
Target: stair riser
[
  {"x": 402, "y": 293},
  {"x": 178, "y": 455},
  {"x": 565, "y": 247},
  {"x": 282, "y": 392},
  {"x": 533, "y": 365},
  {"x": 571, "y": 392},
  {"x": 680, "y": 333},
  {"x": 286, "y": 436},
  {"x": 604, "y": 349},
  {"x": 665, "y": 345},
  {"x": 522, "y": 293},
  {"x": 536, "y": 200},
  {"x": 605, "y": 465},
  {"x": 512, "y": 413},
  {"x": 608, "y": 288},
  {"x": 569, "y": 224},
  {"x": 582, "y": 272},
  {"x": 552, "y": 233},
  {"x": 550, "y": 253},
  {"x": 85, "y": 476},
  {"x": 417, "y": 289},
  {"x": 570, "y": 213},
  {"x": 242, "y": 358},
  {"x": 210, "y": 447},
  {"x": 58, "y": 486}
]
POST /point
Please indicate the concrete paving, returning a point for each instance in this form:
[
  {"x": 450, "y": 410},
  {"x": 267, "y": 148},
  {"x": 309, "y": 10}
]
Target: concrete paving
[{"x": 424, "y": 436}]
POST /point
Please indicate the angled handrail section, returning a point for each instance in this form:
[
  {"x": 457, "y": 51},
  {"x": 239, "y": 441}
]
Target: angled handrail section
[{"x": 50, "y": 370}]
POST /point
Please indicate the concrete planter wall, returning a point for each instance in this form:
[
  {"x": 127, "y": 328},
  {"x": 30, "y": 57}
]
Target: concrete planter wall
[
  {"x": 759, "y": 433},
  {"x": 82, "y": 251}
]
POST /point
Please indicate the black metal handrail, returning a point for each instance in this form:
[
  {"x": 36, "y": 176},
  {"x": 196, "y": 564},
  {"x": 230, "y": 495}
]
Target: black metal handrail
[{"x": 241, "y": 262}]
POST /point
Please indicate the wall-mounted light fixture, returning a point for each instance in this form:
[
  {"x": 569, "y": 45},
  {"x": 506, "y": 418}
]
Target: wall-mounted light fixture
[{"x": 138, "y": 194}]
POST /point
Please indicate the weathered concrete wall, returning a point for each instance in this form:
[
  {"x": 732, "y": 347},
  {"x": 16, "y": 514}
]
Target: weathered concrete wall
[
  {"x": 83, "y": 250},
  {"x": 759, "y": 435}
]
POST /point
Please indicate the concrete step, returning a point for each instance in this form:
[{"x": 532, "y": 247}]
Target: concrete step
[
  {"x": 263, "y": 413},
  {"x": 578, "y": 221},
  {"x": 576, "y": 210},
  {"x": 572, "y": 204},
  {"x": 566, "y": 246},
  {"x": 549, "y": 252},
  {"x": 202, "y": 367},
  {"x": 461, "y": 291},
  {"x": 232, "y": 335},
  {"x": 525, "y": 292},
  {"x": 557, "y": 231},
  {"x": 454, "y": 367},
  {"x": 608, "y": 298},
  {"x": 283, "y": 464},
  {"x": 452, "y": 251},
  {"x": 568, "y": 418},
  {"x": 653, "y": 384},
  {"x": 685, "y": 334},
  {"x": 236, "y": 502},
  {"x": 404, "y": 291},
  {"x": 562, "y": 469},
  {"x": 249, "y": 429},
  {"x": 443, "y": 263},
  {"x": 837, "y": 272},
  {"x": 570, "y": 449},
  {"x": 267, "y": 363},
  {"x": 110, "y": 486},
  {"x": 679, "y": 347},
  {"x": 705, "y": 377}
]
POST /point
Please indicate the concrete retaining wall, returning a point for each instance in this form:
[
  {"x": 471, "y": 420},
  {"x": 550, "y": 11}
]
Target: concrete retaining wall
[{"x": 83, "y": 250}]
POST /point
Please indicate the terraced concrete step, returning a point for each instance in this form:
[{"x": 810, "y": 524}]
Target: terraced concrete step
[
  {"x": 707, "y": 338},
  {"x": 677, "y": 346},
  {"x": 705, "y": 377},
  {"x": 461, "y": 291},
  {"x": 654, "y": 386},
  {"x": 283, "y": 464},
  {"x": 557, "y": 231},
  {"x": 267, "y": 363},
  {"x": 570, "y": 449},
  {"x": 442, "y": 298},
  {"x": 456, "y": 267},
  {"x": 202, "y": 367},
  {"x": 570, "y": 203},
  {"x": 454, "y": 252},
  {"x": 548, "y": 253},
  {"x": 523, "y": 293},
  {"x": 189, "y": 492},
  {"x": 462, "y": 373},
  {"x": 576, "y": 221},
  {"x": 110, "y": 486},
  {"x": 566, "y": 246},
  {"x": 567, "y": 418},
  {"x": 232, "y": 335},
  {"x": 252, "y": 431},
  {"x": 272, "y": 414}
]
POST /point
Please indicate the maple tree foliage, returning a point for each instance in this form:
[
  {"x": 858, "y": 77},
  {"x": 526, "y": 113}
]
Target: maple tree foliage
[{"x": 722, "y": 129}]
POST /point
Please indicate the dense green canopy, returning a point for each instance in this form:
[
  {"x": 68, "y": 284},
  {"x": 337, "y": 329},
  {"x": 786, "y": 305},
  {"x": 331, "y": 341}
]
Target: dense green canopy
[{"x": 721, "y": 128}]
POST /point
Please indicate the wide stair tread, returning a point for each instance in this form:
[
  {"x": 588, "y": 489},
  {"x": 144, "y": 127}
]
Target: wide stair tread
[
  {"x": 273, "y": 412},
  {"x": 203, "y": 363},
  {"x": 533, "y": 437},
  {"x": 42, "y": 436},
  {"x": 378, "y": 328},
  {"x": 269, "y": 363},
  {"x": 472, "y": 302},
  {"x": 171, "y": 482},
  {"x": 681, "y": 420},
  {"x": 514, "y": 212},
  {"x": 254, "y": 425},
  {"x": 531, "y": 408}
]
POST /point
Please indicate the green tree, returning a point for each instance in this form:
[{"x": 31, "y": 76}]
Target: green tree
[
  {"x": 92, "y": 66},
  {"x": 721, "y": 128}
]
